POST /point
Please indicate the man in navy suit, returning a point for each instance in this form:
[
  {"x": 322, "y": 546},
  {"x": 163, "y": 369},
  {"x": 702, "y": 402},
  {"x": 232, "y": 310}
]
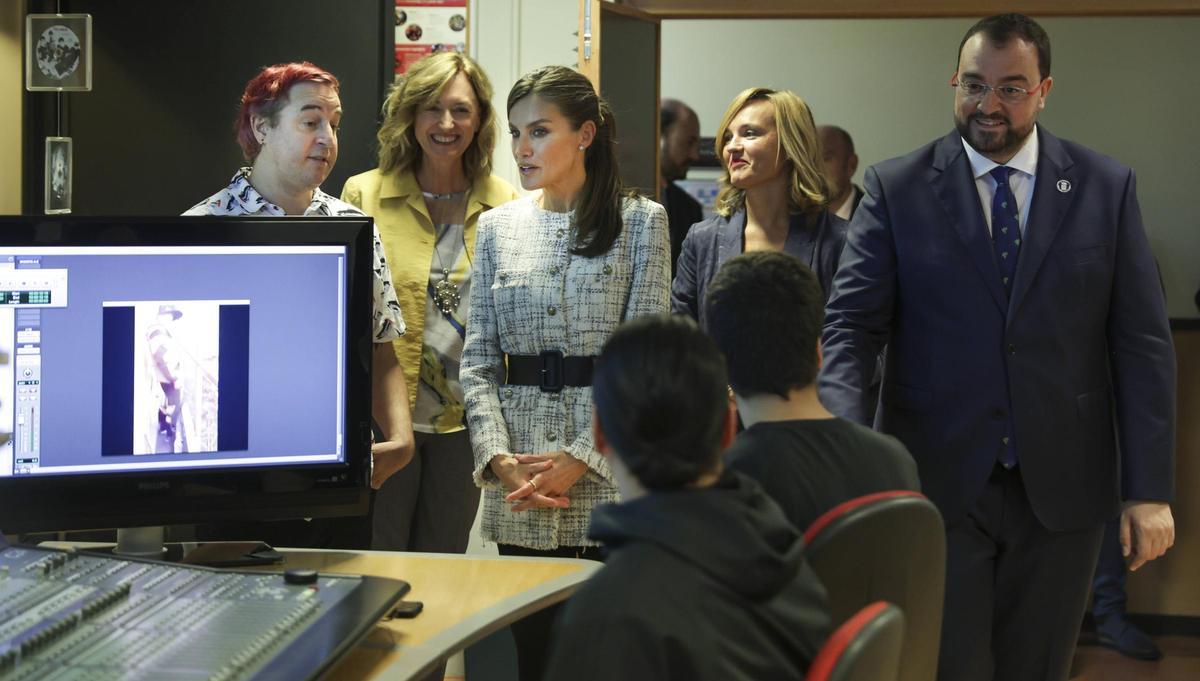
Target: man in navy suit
[{"x": 1030, "y": 369}]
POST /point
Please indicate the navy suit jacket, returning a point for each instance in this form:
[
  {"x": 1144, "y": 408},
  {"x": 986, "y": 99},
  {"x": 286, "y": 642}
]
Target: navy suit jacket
[
  {"x": 815, "y": 239},
  {"x": 1078, "y": 359}
]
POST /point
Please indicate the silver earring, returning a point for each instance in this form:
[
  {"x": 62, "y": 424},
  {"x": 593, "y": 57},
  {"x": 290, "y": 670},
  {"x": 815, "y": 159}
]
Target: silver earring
[{"x": 581, "y": 147}]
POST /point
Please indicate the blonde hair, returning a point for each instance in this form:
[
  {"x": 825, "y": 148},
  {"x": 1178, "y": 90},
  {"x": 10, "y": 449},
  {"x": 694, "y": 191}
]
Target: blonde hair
[
  {"x": 421, "y": 86},
  {"x": 797, "y": 134}
]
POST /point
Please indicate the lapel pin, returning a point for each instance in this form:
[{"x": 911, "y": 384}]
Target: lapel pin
[{"x": 1064, "y": 186}]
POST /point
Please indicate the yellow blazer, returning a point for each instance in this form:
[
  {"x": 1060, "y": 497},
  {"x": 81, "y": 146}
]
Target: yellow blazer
[{"x": 407, "y": 231}]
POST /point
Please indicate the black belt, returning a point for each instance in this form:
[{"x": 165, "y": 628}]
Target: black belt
[{"x": 550, "y": 371}]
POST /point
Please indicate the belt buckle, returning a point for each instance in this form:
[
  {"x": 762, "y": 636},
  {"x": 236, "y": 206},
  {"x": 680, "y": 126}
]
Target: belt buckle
[{"x": 551, "y": 370}]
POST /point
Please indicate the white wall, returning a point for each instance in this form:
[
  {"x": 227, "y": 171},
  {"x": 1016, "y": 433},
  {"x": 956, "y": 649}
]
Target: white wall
[
  {"x": 1124, "y": 86},
  {"x": 513, "y": 37}
]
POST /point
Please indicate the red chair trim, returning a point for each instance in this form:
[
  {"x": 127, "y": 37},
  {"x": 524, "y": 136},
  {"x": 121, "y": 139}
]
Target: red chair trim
[
  {"x": 831, "y": 653},
  {"x": 846, "y": 506}
]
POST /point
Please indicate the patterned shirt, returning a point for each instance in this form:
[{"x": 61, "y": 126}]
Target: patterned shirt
[
  {"x": 529, "y": 294},
  {"x": 241, "y": 198},
  {"x": 439, "y": 404}
]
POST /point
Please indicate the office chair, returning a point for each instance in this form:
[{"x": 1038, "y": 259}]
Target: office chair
[
  {"x": 865, "y": 647},
  {"x": 887, "y": 546}
]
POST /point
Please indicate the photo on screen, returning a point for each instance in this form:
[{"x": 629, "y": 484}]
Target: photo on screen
[{"x": 186, "y": 356}]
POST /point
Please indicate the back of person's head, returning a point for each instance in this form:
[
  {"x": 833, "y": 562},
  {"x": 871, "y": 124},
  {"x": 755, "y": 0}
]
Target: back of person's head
[
  {"x": 662, "y": 400},
  {"x": 765, "y": 310},
  {"x": 267, "y": 93},
  {"x": 598, "y": 211},
  {"x": 420, "y": 87},
  {"x": 999, "y": 29},
  {"x": 808, "y": 191}
]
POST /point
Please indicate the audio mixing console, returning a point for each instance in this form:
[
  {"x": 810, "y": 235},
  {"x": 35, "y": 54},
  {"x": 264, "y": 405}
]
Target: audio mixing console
[{"x": 76, "y": 616}]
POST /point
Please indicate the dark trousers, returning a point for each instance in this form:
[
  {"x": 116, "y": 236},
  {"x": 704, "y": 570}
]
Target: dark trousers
[
  {"x": 532, "y": 634},
  {"x": 1108, "y": 586},
  {"x": 1015, "y": 591},
  {"x": 430, "y": 504}
]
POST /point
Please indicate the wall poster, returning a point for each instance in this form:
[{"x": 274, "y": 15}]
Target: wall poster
[{"x": 427, "y": 26}]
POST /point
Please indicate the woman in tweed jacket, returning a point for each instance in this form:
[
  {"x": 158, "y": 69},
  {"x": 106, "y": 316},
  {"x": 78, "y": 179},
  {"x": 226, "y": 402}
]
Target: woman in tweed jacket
[{"x": 553, "y": 272}]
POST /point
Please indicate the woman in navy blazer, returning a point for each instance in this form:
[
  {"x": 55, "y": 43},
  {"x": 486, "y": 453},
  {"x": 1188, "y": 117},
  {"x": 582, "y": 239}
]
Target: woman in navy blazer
[{"x": 773, "y": 197}]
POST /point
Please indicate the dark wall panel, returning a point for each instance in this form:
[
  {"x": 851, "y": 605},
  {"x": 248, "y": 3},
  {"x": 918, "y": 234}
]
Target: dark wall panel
[{"x": 155, "y": 135}]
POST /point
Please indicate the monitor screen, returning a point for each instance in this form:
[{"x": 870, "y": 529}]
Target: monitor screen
[{"x": 174, "y": 370}]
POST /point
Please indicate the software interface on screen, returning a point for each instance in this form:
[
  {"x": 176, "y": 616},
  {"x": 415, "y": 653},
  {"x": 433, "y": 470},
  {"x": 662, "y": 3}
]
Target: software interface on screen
[{"x": 151, "y": 358}]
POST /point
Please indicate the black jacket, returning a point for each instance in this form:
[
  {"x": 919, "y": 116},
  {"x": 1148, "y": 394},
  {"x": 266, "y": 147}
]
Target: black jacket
[{"x": 699, "y": 584}]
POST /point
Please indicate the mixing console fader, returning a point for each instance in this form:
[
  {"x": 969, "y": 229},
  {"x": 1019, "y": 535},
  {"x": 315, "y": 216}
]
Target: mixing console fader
[{"x": 66, "y": 615}]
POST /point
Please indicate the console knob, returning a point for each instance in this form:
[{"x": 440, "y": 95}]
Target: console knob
[{"x": 300, "y": 576}]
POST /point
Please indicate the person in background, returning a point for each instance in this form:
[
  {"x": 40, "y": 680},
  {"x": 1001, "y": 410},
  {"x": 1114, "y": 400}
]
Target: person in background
[
  {"x": 765, "y": 311},
  {"x": 679, "y": 148},
  {"x": 1030, "y": 367},
  {"x": 705, "y": 577},
  {"x": 554, "y": 274},
  {"x": 433, "y": 182},
  {"x": 837, "y": 152},
  {"x": 287, "y": 128},
  {"x": 773, "y": 197}
]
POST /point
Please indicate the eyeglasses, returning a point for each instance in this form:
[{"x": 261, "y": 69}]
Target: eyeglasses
[{"x": 1007, "y": 93}]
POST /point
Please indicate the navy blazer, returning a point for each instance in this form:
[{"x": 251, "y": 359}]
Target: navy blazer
[
  {"x": 1078, "y": 362},
  {"x": 816, "y": 240}
]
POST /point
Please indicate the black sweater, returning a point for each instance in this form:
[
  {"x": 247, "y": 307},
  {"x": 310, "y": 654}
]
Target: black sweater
[{"x": 699, "y": 584}]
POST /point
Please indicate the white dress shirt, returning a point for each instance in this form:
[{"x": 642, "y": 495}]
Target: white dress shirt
[{"x": 1020, "y": 178}]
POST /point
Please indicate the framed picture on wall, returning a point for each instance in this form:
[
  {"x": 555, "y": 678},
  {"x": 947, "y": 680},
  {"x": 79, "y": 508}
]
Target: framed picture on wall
[
  {"x": 58, "y": 52},
  {"x": 58, "y": 175}
]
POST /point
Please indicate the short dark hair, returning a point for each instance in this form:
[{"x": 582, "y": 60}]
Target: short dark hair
[
  {"x": 765, "y": 310},
  {"x": 841, "y": 134},
  {"x": 1001, "y": 28},
  {"x": 660, "y": 392},
  {"x": 669, "y": 112}
]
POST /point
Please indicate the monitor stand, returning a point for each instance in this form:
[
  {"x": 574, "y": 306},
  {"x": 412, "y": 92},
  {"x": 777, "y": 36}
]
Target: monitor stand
[{"x": 147, "y": 542}]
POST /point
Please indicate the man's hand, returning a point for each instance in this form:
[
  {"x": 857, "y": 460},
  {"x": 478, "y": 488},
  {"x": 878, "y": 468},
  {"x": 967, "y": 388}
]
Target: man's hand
[
  {"x": 388, "y": 457},
  {"x": 553, "y": 482},
  {"x": 1147, "y": 531}
]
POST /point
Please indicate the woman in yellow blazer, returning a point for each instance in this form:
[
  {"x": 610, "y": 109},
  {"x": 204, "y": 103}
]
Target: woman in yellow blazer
[{"x": 433, "y": 181}]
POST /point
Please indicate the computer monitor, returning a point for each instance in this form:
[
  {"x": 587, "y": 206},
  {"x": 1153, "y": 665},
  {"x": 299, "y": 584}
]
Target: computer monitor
[{"x": 183, "y": 370}]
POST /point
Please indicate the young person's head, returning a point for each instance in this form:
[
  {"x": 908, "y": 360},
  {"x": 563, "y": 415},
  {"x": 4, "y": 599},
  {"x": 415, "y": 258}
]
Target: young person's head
[
  {"x": 564, "y": 143},
  {"x": 662, "y": 402},
  {"x": 765, "y": 310}
]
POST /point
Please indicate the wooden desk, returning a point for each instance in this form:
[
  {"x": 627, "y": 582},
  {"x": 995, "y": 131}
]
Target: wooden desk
[{"x": 466, "y": 598}]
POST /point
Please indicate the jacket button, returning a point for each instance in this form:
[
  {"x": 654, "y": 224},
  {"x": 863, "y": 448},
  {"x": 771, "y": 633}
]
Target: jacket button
[
  {"x": 552, "y": 310},
  {"x": 1012, "y": 349},
  {"x": 1004, "y": 440},
  {"x": 554, "y": 269},
  {"x": 560, "y": 233},
  {"x": 608, "y": 269},
  {"x": 551, "y": 437},
  {"x": 508, "y": 394}
]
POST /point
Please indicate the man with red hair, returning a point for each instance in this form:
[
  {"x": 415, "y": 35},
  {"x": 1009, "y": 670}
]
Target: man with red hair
[{"x": 287, "y": 127}]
